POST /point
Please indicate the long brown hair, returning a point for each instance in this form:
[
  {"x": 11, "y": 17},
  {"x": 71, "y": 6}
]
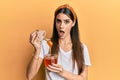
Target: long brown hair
[{"x": 77, "y": 50}]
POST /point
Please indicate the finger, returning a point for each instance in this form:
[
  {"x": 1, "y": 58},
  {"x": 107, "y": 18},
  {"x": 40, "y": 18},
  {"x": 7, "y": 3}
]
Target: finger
[
  {"x": 56, "y": 65},
  {"x": 58, "y": 69},
  {"x": 53, "y": 69},
  {"x": 36, "y": 36},
  {"x": 33, "y": 37},
  {"x": 34, "y": 32},
  {"x": 41, "y": 34}
]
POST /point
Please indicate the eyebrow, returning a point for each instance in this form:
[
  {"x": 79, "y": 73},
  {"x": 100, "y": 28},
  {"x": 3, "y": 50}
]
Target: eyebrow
[
  {"x": 67, "y": 20},
  {"x": 64, "y": 19},
  {"x": 58, "y": 19}
]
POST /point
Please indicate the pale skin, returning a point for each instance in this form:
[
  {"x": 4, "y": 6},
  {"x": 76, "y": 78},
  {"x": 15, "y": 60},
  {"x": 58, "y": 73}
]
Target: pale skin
[{"x": 64, "y": 23}]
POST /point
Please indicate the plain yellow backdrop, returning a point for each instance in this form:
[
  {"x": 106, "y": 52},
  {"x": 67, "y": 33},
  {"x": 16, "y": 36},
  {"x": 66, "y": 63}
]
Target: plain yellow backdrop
[{"x": 99, "y": 24}]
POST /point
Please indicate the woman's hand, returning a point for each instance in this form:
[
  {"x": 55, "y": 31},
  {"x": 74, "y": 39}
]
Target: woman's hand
[
  {"x": 35, "y": 38},
  {"x": 67, "y": 75},
  {"x": 56, "y": 68}
]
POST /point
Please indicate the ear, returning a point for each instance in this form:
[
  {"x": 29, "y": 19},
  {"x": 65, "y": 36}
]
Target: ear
[{"x": 73, "y": 24}]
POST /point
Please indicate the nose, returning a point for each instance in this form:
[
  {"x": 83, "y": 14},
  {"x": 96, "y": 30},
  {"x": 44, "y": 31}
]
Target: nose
[{"x": 61, "y": 25}]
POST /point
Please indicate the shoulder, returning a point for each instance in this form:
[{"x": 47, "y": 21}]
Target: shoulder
[
  {"x": 86, "y": 54},
  {"x": 84, "y": 46},
  {"x": 85, "y": 50}
]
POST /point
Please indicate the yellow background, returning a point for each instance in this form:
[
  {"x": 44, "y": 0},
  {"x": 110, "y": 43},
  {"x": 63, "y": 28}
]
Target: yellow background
[{"x": 99, "y": 22}]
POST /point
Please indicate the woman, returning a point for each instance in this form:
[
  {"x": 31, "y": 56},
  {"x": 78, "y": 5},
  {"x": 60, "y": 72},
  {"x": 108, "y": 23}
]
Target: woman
[{"x": 73, "y": 57}]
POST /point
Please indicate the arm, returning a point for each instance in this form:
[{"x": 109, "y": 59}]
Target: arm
[
  {"x": 68, "y": 75},
  {"x": 33, "y": 66},
  {"x": 36, "y": 61},
  {"x": 71, "y": 76}
]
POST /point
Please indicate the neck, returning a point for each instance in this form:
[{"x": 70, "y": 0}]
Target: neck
[
  {"x": 66, "y": 40},
  {"x": 65, "y": 43}
]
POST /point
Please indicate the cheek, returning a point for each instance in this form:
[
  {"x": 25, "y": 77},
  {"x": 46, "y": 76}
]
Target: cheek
[
  {"x": 57, "y": 27},
  {"x": 68, "y": 29}
]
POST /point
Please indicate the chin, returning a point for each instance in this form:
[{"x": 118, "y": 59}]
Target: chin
[{"x": 61, "y": 37}]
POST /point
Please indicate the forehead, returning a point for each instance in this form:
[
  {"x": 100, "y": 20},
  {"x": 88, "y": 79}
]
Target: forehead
[{"x": 62, "y": 16}]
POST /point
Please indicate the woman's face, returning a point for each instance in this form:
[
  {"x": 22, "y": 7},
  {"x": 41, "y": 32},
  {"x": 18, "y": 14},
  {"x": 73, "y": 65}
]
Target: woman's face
[{"x": 63, "y": 25}]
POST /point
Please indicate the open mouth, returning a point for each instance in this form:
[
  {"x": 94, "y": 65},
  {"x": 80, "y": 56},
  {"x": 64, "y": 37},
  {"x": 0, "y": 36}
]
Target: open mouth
[{"x": 61, "y": 33}]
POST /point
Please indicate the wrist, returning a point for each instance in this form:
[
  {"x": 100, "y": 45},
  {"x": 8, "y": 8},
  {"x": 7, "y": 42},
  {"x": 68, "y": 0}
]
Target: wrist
[
  {"x": 67, "y": 75},
  {"x": 37, "y": 51},
  {"x": 64, "y": 73},
  {"x": 35, "y": 56}
]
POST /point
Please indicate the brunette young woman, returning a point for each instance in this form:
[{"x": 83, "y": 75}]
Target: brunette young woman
[{"x": 73, "y": 57}]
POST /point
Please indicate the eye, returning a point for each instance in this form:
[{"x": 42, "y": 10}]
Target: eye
[
  {"x": 58, "y": 20},
  {"x": 67, "y": 21}
]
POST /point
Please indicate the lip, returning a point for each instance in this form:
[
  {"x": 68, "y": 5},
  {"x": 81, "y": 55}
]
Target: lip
[{"x": 61, "y": 33}]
